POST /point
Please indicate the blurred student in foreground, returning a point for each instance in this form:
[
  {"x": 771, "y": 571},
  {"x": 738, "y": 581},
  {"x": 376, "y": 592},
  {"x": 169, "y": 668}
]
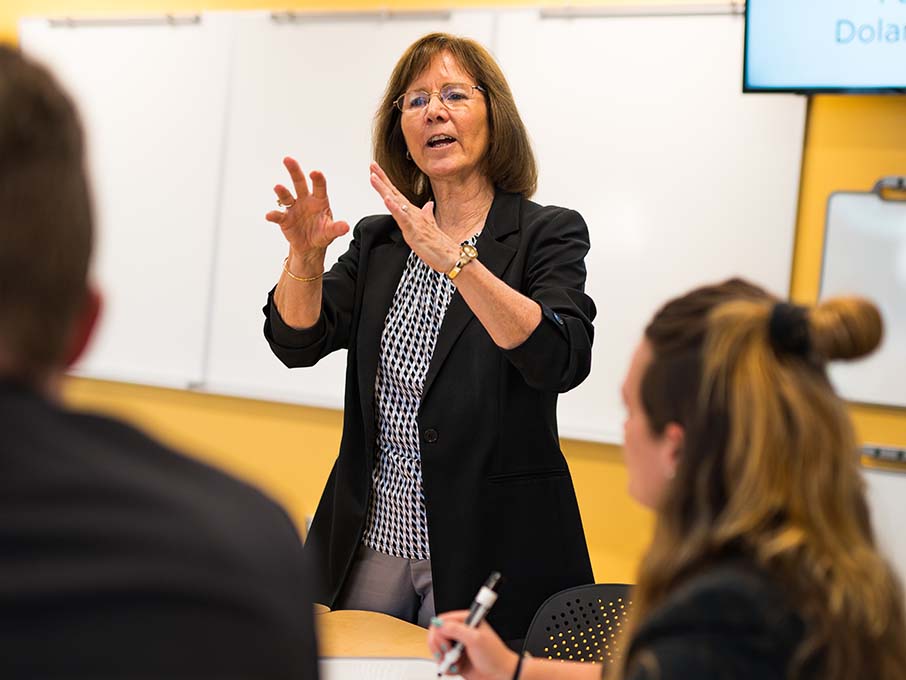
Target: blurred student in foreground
[
  {"x": 118, "y": 557},
  {"x": 763, "y": 563}
]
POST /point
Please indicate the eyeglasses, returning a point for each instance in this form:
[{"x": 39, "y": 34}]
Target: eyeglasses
[{"x": 453, "y": 96}]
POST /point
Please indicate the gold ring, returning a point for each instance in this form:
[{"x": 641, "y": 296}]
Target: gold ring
[{"x": 281, "y": 204}]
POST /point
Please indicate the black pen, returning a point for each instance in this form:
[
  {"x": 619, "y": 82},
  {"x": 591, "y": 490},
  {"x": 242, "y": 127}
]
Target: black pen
[{"x": 481, "y": 605}]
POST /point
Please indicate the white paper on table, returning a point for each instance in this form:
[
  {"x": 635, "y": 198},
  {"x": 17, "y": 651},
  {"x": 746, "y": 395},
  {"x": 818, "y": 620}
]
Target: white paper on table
[{"x": 379, "y": 668}]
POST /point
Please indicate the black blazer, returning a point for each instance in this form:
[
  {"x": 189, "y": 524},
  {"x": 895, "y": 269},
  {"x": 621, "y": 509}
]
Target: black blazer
[
  {"x": 122, "y": 559},
  {"x": 497, "y": 488}
]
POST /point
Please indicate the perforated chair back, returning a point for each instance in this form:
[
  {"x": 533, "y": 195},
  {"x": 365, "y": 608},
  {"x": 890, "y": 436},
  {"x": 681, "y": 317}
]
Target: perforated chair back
[{"x": 580, "y": 624}]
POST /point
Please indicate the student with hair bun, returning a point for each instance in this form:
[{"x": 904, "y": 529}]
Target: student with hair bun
[{"x": 763, "y": 562}]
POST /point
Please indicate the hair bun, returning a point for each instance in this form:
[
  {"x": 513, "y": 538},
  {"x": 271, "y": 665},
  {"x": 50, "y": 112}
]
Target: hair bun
[{"x": 845, "y": 327}]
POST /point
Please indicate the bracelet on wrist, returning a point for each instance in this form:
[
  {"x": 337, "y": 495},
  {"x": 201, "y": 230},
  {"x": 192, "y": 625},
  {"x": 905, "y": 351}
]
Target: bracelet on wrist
[
  {"x": 303, "y": 279},
  {"x": 518, "y": 667}
]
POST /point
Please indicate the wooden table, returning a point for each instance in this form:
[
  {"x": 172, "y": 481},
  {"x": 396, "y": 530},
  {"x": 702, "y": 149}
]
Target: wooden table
[{"x": 351, "y": 632}]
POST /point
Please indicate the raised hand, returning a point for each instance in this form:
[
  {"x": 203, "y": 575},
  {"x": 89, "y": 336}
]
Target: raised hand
[
  {"x": 307, "y": 223},
  {"x": 420, "y": 231}
]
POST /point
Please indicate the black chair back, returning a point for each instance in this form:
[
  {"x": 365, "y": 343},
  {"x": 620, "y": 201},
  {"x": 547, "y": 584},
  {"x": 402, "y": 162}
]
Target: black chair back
[{"x": 580, "y": 624}]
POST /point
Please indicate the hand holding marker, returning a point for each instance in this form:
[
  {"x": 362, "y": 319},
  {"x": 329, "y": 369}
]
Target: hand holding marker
[{"x": 481, "y": 605}]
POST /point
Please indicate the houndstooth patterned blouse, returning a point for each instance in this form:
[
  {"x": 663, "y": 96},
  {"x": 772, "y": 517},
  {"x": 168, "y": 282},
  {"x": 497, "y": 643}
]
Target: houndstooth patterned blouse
[{"x": 397, "y": 523}]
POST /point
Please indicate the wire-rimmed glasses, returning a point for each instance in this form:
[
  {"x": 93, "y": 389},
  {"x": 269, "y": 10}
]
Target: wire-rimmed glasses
[{"x": 453, "y": 96}]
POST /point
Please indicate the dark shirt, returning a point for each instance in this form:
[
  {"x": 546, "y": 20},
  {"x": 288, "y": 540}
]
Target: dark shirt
[
  {"x": 120, "y": 558},
  {"x": 731, "y": 622}
]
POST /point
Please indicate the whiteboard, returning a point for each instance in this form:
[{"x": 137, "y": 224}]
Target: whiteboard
[
  {"x": 865, "y": 254},
  {"x": 639, "y": 124},
  {"x": 884, "y": 491},
  {"x": 307, "y": 88},
  {"x": 152, "y": 97}
]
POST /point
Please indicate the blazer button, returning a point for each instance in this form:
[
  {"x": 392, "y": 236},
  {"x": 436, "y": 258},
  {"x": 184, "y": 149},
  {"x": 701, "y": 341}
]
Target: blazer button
[{"x": 430, "y": 435}]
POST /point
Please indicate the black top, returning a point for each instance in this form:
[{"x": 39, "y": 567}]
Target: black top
[
  {"x": 731, "y": 622},
  {"x": 120, "y": 558},
  {"x": 497, "y": 489}
]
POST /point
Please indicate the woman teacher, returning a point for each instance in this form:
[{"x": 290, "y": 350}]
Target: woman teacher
[{"x": 464, "y": 314}]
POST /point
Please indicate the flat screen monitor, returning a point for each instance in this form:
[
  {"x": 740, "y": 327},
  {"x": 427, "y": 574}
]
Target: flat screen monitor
[{"x": 812, "y": 46}]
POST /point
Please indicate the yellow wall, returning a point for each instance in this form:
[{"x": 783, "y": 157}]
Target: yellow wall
[
  {"x": 851, "y": 141},
  {"x": 288, "y": 450}
]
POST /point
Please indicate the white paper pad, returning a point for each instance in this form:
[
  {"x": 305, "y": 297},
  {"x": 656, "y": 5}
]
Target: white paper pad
[{"x": 373, "y": 668}]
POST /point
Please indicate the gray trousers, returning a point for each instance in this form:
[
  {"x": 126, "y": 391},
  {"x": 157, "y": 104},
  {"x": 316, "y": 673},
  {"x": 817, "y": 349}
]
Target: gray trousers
[{"x": 396, "y": 586}]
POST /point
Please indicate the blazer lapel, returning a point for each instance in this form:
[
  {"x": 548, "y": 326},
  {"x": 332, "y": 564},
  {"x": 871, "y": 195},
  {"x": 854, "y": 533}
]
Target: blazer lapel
[
  {"x": 495, "y": 254},
  {"x": 385, "y": 267}
]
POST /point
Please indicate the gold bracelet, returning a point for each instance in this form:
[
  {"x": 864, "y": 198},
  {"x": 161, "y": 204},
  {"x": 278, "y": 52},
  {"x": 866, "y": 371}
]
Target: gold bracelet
[{"x": 303, "y": 279}]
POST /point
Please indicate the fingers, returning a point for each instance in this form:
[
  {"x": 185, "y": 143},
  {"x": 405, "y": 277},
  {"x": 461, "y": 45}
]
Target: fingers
[
  {"x": 438, "y": 643},
  {"x": 379, "y": 171},
  {"x": 275, "y": 216},
  {"x": 479, "y": 644},
  {"x": 380, "y": 181},
  {"x": 397, "y": 210},
  {"x": 440, "y": 634},
  {"x": 337, "y": 229},
  {"x": 298, "y": 177},
  {"x": 283, "y": 195},
  {"x": 380, "y": 186},
  {"x": 456, "y": 630},
  {"x": 384, "y": 186},
  {"x": 395, "y": 202},
  {"x": 318, "y": 184}
]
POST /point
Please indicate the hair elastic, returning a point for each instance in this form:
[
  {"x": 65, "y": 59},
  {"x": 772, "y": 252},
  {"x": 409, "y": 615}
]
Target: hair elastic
[{"x": 789, "y": 330}]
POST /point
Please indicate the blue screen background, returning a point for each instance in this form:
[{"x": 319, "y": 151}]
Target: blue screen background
[{"x": 803, "y": 44}]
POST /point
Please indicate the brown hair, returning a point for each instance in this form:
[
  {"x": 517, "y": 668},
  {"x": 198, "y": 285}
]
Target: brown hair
[
  {"x": 509, "y": 162},
  {"x": 769, "y": 469},
  {"x": 45, "y": 217}
]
